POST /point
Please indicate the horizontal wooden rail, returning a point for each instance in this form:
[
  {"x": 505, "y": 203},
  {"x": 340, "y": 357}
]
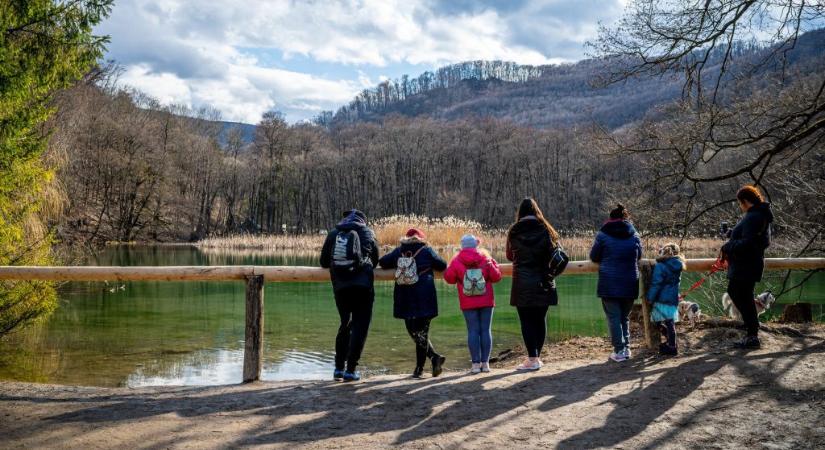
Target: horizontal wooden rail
[
  {"x": 703, "y": 265},
  {"x": 127, "y": 273},
  {"x": 256, "y": 276},
  {"x": 297, "y": 273}
]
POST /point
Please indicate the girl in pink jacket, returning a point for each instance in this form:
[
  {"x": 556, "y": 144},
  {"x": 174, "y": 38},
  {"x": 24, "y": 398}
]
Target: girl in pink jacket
[{"x": 474, "y": 271}]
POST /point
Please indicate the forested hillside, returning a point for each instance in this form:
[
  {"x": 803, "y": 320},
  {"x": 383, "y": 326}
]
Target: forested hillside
[
  {"x": 135, "y": 171},
  {"x": 547, "y": 96}
]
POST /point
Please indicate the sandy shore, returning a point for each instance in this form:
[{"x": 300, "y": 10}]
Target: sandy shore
[{"x": 710, "y": 397}]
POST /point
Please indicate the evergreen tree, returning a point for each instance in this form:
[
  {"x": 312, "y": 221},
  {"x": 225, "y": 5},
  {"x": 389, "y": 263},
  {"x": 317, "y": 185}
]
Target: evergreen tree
[{"x": 45, "y": 45}]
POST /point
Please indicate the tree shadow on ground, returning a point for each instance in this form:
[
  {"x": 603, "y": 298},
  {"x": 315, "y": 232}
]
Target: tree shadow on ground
[
  {"x": 627, "y": 420},
  {"x": 434, "y": 407}
]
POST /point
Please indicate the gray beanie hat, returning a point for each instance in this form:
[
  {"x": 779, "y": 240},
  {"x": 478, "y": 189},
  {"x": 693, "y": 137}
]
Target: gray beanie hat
[{"x": 469, "y": 241}]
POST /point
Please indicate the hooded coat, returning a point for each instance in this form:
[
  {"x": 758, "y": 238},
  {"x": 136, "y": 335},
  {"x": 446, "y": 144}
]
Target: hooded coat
[
  {"x": 364, "y": 278},
  {"x": 617, "y": 250},
  {"x": 530, "y": 247},
  {"x": 417, "y": 300},
  {"x": 745, "y": 251},
  {"x": 473, "y": 258},
  {"x": 664, "y": 288}
]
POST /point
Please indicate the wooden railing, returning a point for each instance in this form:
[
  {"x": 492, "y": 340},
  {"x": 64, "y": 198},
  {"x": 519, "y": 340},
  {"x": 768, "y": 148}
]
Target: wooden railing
[{"x": 256, "y": 276}]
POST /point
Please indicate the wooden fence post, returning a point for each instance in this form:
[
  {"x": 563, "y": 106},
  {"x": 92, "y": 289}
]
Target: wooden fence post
[
  {"x": 254, "y": 335},
  {"x": 651, "y": 333}
]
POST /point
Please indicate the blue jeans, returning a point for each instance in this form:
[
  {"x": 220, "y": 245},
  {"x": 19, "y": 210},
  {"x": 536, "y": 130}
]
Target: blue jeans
[
  {"x": 617, "y": 311},
  {"x": 479, "y": 334}
]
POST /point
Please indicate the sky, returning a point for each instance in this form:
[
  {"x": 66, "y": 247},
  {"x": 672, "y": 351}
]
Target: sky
[{"x": 245, "y": 57}]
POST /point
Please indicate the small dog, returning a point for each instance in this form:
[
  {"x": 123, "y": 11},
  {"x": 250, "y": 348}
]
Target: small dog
[
  {"x": 763, "y": 302},
  {"x": 689, "y": 311}
]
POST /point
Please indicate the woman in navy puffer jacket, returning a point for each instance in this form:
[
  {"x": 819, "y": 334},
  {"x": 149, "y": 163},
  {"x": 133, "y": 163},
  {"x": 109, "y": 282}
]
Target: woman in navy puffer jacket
[
  {"x": 417, "y": 303},
  {"x": 617, "y": 250}
]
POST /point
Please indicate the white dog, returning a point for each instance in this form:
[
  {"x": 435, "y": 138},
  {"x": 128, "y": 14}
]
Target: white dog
[
  {"x": 762, "y": 301},
  {"x": 689, "y": 311}
]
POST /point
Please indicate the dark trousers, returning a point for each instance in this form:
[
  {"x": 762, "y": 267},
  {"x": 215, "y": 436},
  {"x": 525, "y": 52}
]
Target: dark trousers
[
  {"x": 617, "y": 312},
  {"x": 668, "y": 329},
  {"x": 355, "y": 309},
  {"x": 533, "y": 328},
  {"x": 741, "y": 294},
  {"x": 419, "y": 330}
]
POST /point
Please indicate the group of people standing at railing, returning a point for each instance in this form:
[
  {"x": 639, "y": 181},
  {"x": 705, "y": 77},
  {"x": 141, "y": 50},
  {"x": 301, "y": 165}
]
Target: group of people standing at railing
[{"x": 351, "y": 252}]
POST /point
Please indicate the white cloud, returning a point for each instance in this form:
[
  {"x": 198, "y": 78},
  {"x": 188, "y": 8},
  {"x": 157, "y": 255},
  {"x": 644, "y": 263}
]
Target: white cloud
[
  {"x": 246, "y": 91},
  {"x": 193, "y": 51},
  {"x": 374, "y": 32},
  {"x": 166, "y": 87}
]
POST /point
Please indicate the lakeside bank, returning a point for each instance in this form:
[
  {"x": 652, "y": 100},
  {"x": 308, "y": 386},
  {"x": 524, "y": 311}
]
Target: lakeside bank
[{"x": 710, "y": 396}]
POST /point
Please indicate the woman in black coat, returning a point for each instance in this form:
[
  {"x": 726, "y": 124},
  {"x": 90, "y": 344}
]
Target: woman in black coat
[
  {"x": 530, "y": 245},
  {"x": 417, "y": 303},
  {"x": 745, "y": 254}
]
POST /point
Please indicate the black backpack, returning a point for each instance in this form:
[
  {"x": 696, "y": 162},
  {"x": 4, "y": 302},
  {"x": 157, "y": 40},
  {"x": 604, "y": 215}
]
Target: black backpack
[{"x": 346, "y": 254}]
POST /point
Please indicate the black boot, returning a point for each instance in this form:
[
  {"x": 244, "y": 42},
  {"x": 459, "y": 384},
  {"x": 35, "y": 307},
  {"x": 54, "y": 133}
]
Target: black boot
[
  {"x": 438, "y": 362},
  {"x": 749, "y": 343},
  {"x": 667, "y": 350},
  {"x": 417, "y": 372}
]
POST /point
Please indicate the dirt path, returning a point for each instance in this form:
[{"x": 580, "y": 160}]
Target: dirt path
[{"x": 709, "y": 398}]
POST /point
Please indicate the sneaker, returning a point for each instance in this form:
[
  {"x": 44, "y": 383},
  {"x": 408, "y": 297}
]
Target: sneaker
[
  {"x": 626, "y": 353},
  {"x": 530, "y": 365},
  {"x": 618, "y": 357},
  {"x": 438, "y": 362},
  {"x": 748, "y": 342},
  {"x": 338, "y": 375},
  {"x": 485, "y": 367},
  {"x": 476, "y": 368},
  {"x": 352, "y": 376},
  {"x": 417, "y": 372}
]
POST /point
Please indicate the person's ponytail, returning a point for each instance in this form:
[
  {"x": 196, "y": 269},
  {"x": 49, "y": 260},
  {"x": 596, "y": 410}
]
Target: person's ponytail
[{"x": 619, "y": 212}]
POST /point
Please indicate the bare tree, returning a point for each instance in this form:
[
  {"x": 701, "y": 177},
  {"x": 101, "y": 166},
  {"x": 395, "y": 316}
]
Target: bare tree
[{"x": 741, "y": 119}]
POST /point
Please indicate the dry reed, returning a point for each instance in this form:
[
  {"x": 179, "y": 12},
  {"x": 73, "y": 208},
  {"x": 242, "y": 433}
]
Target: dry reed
[
  {"x": 264, "y": 242},
  {"x": 445, "y": 234}
]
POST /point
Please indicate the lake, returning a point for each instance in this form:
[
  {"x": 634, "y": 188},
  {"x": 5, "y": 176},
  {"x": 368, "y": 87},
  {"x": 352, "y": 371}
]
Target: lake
[{"x": 191, "y": 333}]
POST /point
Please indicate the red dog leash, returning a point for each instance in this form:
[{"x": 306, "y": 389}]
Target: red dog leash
[{"x": 720, "y": 264}]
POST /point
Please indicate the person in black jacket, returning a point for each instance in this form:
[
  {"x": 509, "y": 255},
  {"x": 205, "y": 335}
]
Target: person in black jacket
[
  {"x": 417, "y": 303},
  {"x": 353, "y": 289},
  {"x": 745, "y": 254},
  {"x": 530, "y": 245}
]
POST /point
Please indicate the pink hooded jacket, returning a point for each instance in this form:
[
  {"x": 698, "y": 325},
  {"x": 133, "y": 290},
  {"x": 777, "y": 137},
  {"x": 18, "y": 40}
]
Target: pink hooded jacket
[{"x": 472, "y": 258}]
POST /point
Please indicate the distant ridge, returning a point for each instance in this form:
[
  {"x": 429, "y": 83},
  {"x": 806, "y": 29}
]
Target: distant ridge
[
  {"x": 247, "y": 132},
  {"x": 540, "y": 96},
  {"x": 545, "y": 96}
]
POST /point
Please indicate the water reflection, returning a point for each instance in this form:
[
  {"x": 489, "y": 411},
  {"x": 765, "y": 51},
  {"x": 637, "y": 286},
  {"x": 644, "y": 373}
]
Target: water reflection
[{"x": 223, "y": 366}]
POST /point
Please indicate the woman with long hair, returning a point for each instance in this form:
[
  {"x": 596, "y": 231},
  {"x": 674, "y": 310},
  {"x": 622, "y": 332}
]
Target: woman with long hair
[
  {"x": 531, "y": 241},
  {"x": 745, "y": 254}
]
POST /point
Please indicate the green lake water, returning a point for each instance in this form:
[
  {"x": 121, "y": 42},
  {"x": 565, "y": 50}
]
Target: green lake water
[{"x": 191, "y": 333}]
